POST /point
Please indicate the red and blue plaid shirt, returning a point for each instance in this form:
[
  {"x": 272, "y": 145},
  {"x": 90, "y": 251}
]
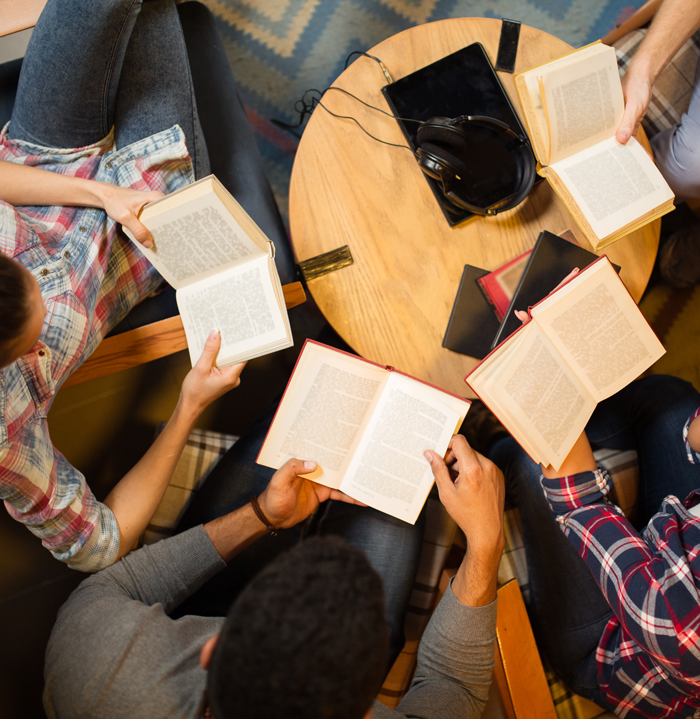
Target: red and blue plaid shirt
[
  {"x": 649, "y": 654},
  {"x": 90, "y": 276}
]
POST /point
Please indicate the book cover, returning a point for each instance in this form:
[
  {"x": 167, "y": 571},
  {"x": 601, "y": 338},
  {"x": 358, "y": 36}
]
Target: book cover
[
  {"x": 473, "y": 323},
  {"x": 500, "y": 285}
]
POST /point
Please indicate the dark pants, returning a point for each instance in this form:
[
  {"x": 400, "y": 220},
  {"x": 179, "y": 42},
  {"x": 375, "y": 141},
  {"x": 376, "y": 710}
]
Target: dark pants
[{"x": 567, "y": 609}]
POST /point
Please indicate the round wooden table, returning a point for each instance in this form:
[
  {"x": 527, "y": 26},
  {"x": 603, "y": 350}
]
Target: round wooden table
[{"x": 393, "y": 304}]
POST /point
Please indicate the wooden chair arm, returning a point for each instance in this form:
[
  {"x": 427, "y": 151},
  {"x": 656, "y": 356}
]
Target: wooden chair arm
[
  {"x": 148, "y": 343},
  {"x": 638, "y": 19},
  {"x": 16, "y": 15},
  {"x": 518, "y": 672}
]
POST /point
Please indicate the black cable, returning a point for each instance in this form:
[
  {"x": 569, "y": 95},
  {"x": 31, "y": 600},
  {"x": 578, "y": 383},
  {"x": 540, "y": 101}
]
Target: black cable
[
  {"x": 305, "y": 108},
  {"x": 364, "y": 54}
]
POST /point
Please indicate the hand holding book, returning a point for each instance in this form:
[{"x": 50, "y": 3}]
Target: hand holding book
[
  {"x": 585, "y": 342},
  {"x": 573, "y": 107},
  {"x": 366, "y": 426},
  {"x": 206, "y": 382},
  {"x": 290, "y": 497},
  {"x": 524, "y": 316}
]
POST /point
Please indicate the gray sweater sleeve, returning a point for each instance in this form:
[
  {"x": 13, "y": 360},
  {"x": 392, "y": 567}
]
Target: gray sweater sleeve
[
  {"x": 99, "y": 661},
  {"x": 455, "y": 661},
  {"x": 166, "y": 572}
]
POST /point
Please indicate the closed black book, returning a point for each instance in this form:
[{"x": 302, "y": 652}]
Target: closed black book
[
  {"x": 473, "y": 323},
  {"x": 551, "y": 260}
]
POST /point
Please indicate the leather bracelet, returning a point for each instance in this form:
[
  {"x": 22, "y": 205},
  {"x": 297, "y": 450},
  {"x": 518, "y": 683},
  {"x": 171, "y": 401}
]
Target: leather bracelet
[{"x": 261, "y": 516}]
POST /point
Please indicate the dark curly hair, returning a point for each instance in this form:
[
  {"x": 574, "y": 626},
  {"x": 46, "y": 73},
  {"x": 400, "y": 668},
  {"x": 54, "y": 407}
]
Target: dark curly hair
[
  {"x": 15, "y": 307},
  {"x": 306, "y": 639}
]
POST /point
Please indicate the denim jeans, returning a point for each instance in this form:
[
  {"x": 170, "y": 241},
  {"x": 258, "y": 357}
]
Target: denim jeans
[
  {"x": 676, "y": 149},
  {"x": 567, "y": 609},
  {"x": 141, "y": 68},
  {"x": 94, "y": 64},
  {"x": 391, "y": 545}
]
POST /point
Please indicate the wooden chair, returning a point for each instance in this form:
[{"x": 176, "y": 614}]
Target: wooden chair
[
  {"x": 639, "y": 18},
  {"x": 143, "y": 344}
]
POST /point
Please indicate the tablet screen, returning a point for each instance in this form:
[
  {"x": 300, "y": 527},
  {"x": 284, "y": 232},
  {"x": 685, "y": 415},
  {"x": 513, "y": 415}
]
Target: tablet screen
[{"x": 463, "y": 83}]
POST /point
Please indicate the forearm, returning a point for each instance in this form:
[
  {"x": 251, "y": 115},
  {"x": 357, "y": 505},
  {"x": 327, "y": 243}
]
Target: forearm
[
  {"x": 580, "y": 459},
  {"x": 22, "y": 185},
  {"x": 233, "y": 532},
  {"x": 475, "y": 583},
  {"x": 455, "y": 661},
  {"x": 674, "y": 23},
  {"x": 136, "y": 496}
]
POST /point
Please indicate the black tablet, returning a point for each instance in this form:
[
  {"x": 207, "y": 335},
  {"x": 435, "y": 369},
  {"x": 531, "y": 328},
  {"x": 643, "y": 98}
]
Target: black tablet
[{"x": 463, "y": 83}]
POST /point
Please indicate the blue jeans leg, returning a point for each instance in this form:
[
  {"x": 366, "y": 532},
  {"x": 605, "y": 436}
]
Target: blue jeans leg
[
  {"x": 70, "y": 74},
  {"x": 648, "y": 416},
  {"x": 392, "y": 546},
  {"x": 94, "y": 64},
  {"x": 677, "y": 150},
  {"x": 567, "y": 609}
]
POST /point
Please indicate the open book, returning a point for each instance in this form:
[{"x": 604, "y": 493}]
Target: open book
[
  {"x": 366, "y": 426},
  {"x": 572, "y": 107},
  {"x": 222, "y": 266},
  {"x": 585, "y": 341}
]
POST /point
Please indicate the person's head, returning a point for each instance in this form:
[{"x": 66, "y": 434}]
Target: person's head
[
  {"x": 307, "y": 639},
  {"x": 22, "y": 311}
]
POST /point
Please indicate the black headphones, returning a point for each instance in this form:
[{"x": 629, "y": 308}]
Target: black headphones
[{"x": 477, "y": 159}]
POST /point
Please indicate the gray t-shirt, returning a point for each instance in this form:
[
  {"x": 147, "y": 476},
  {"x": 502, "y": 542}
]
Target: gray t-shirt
[{"x": 114, "y": 652}]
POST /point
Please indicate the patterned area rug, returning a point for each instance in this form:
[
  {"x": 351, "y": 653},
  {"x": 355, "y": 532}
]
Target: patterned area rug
[{"x": 280, "y": 48}]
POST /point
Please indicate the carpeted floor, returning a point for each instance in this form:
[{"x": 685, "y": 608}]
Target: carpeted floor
[{"x": 280, "y": 48}]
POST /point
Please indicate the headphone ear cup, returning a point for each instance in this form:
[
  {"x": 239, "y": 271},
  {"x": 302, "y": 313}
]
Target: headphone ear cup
[
  {"x": 450, "y": 138},
  {"x": 453, "y": 163}
]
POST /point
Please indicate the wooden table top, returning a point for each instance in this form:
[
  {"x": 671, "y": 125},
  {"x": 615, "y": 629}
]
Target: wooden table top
[{"x": 393, "y": 304}]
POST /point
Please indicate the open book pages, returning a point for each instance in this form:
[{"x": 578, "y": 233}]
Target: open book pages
[
  {"x": 221, "y": 264},
  {"x": 196, "y": 236},
  {"x": 243, "y": 303},
  {"x": 573, "y": 106},
  {"x": 366, "y": 426},
  {"x": 585, "y": 342},
  {"x": 615, "y": 188},
  {"x": 571, "y": 102}
]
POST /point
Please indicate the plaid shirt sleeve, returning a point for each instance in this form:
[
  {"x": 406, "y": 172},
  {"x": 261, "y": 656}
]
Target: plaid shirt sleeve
[
  {"x": 89, "y": 277},
  {"x": 649, "y": 580}
]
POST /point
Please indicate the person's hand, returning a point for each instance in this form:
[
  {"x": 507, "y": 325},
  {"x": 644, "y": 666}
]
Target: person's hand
[
  {"x": 472, "y": 491},
  {"x": 123, "y": 205},
  {"x": 636, "y": 88},
  {"x": 289, "y": 498},
  {"x": 205, "y": 382}
]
